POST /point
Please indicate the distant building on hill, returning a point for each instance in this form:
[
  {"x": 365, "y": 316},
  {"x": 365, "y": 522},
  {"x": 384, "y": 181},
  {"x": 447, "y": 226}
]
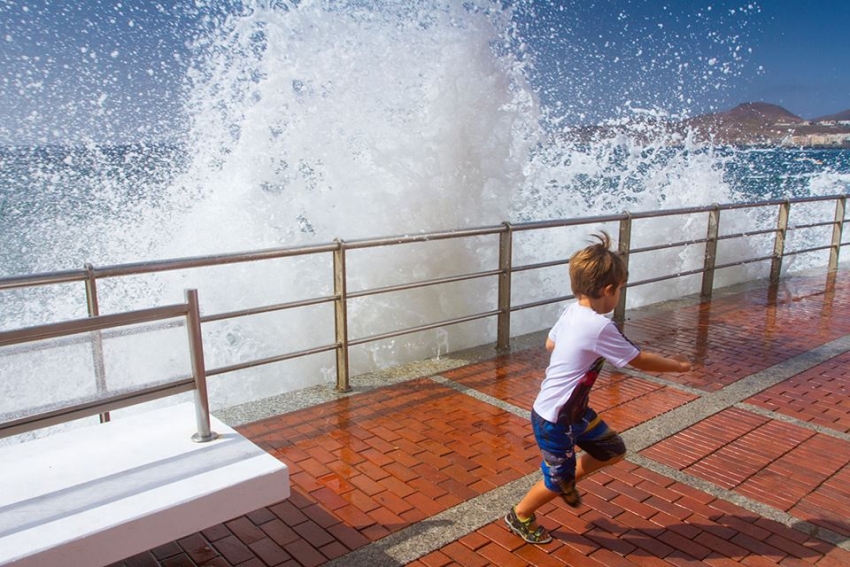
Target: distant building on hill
[{"x": 819, "y": 140}]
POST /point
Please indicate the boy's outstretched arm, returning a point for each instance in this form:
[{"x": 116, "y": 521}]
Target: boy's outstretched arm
[{"x": 651, "y": 362}]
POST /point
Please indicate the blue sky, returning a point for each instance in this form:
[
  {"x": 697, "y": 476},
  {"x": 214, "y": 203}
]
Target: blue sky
[
  {"x": 115, "y": 71},
  {"x": 785, "y": 52},
  {"x": 805, "y": 52}
]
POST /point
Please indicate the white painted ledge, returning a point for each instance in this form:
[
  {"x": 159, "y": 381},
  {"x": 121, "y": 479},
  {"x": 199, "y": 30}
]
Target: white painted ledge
[{"x": 99, "y": 494}]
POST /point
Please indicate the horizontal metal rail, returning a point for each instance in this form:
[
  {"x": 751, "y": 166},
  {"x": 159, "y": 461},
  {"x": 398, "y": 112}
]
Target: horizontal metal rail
[
  {"x": 807, "y": 250},
  {"x": 747, "y": 234},
  {"x": 542, "y": 302},
  {"x": 667, "y": 277},
  {"x": 267, "y": 309},
  {"x": 540, "y": 265},
  {"x": 79, "y": 340},
  {"x": 51, "y": 278},
  {"x": 429, "y": 326},
  {"x": 744, "y": 262},
  {"x": 139, "y": 268},
  {"x": 812, "y": 225},
  {"x": 53, "y": 330},
  {"x": 424, "y": 237},
  {"x": 422, "y": 283},
  {"x": 641, "y": 215},
  {"x": 678, "y": 244},
  {"x": 271, "y": 359},
  {"x": 562, "y": 223},
  {"x": 80, "y": 410}
]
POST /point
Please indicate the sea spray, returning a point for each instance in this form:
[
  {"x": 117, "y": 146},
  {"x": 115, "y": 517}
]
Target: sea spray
[
  {"x": 347, "y": 120},
  {"x": 306, "y": 119}
]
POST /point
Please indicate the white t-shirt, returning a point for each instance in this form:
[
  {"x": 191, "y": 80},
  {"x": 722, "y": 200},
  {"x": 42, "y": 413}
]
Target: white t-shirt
[{"x": 583, "y": 340}]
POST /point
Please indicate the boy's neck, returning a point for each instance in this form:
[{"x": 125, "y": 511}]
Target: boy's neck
[{"x": 597, "y": 304}]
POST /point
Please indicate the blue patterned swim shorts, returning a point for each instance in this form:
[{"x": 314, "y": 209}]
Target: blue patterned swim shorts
[{"x": 558, "y": 442}]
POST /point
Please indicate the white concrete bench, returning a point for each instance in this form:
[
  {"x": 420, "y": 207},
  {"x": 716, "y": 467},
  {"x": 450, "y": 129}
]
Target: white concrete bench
[{"x": 95, "y": 495}]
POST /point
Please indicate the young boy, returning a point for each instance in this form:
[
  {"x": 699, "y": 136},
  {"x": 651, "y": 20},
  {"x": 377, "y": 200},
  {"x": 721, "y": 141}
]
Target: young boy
[{"x": 580, "y": 342}]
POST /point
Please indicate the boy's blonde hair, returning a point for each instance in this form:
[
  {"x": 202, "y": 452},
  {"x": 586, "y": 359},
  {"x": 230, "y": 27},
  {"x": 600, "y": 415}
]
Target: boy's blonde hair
[{"x": 594, "y": 268}]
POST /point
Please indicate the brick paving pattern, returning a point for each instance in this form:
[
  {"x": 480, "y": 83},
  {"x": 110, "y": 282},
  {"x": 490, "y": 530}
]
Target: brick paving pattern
[
  {"x": 820, "y": 395},
  {"x": 763, "y": 482}
]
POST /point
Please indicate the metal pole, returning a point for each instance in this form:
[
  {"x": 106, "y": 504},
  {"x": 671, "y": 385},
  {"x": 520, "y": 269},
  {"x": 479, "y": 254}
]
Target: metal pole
[
  {"x": 341, "y": 318},
  {"x": 196, "y": 350},
  {"x": 503, "y": 340},
  {"x": 779, "y": 242},
  {"x": 837, "y": 230},
  {"x": 710, "y": 252},
  {"x": 97, "y": 337},
  {"x": 624, "y": 246}
]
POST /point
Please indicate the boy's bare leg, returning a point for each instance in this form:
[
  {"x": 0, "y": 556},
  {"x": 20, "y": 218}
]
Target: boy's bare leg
[
  {"x": 585, "y": 464},
  {"x": 538, "y": 495}
]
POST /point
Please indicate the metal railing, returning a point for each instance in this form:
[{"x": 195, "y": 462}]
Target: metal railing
[
  {"x": 504, "y": 271},
  {"x": 104, "y": 323}
]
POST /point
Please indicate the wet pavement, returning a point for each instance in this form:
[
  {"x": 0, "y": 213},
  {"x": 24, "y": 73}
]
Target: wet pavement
[{"x": 743, "y": 461}]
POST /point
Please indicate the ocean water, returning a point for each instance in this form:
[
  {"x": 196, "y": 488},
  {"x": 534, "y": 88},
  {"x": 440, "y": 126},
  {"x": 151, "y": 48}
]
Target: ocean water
[{"x": 313, "y": 121}]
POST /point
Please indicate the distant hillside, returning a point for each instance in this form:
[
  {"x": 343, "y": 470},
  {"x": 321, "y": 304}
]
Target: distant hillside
[
  {"x": 748, "y": 124},
  {"x": 834, "y": 117},
  {"x": 757, "y": 112},
  {"x": 761, "y": 123}
]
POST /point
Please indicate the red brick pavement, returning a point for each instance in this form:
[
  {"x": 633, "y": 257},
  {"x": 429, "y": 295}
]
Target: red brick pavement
[
  {"x": 735, "y": 336},
  {"x": 375, "y": 463},
  {"x": 820, "y": 395},
  {"x": 636, "y": 517}
]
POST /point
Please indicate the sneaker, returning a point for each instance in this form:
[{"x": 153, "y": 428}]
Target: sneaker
[
  {"x": 571, "y": 496},
  {"x": 522, "y": 528}
]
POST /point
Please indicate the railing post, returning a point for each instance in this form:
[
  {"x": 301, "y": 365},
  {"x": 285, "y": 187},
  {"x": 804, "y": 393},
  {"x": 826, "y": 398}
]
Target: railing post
[
  {"x": 837, "y": 230},
  {"x": 97, "y": 338},
  {"x": 779, "y": 242},
  {"x": 503, "y": 334},
  {"x": 341, "y": 318},
  {"x": 624, "y": 247},
  {"x": 199, "y": 371},
  {"x": 710, "y": 252}
]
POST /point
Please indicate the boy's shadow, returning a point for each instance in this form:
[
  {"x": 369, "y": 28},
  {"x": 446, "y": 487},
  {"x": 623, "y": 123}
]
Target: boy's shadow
[{"x": 736, "y": 539}]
